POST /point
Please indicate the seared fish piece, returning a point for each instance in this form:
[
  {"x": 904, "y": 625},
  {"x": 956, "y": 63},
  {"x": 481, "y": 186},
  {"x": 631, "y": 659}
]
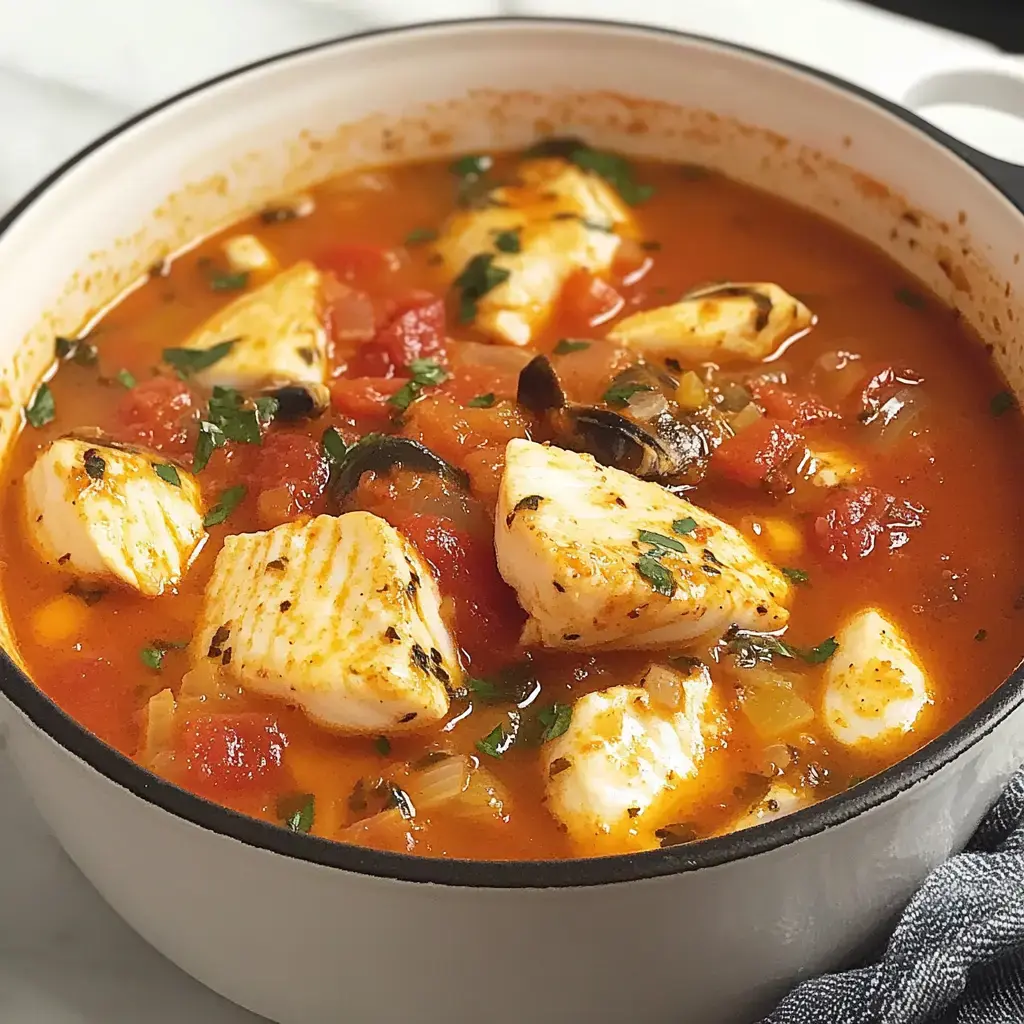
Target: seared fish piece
[
  {"x": 616, "y": 772},
  {"x": 727, "y": 321},
  {"x": 599, "y": 558},
  {"x": 275, "y": 331},
  {"x": 339, "y": 615},
  {"x": 875, "y": 686},
  {"x": 113, "y": 512},
  {"x": 561, "y": 219}
]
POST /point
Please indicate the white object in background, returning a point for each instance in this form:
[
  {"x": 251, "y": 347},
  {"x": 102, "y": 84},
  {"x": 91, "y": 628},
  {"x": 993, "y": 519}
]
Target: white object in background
[{"x": 69, "y": 71}]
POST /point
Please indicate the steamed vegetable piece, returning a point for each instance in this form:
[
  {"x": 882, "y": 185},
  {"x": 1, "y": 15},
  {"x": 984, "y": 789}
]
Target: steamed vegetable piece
[
  {"x": 562, "y": 219},
  {"x": 99, "y": 511},
  {"x": 617, "y": 774},
  {"x": 338, "y": 615},
  {"x": 875, "y": 686},
  {"x": 266, "y": 336},
  {"x": 600, "y": 559},
  {"x": 726, "y": 321}
]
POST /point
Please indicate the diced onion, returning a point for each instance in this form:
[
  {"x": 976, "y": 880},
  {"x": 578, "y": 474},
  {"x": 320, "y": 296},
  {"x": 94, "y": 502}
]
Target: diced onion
[
  {"x": 691, "y": 393},
  {"x": 645, "y": 405},
  {"x": 381, "y": 830},
  {"x": 665, "y": 687},
  {"x": 746, "y": 417},
  {"x": 486, "y": 798},
  {"x": 462, "y": 786},
  {"x": 771, "y": 705},
  {"x": 777, "y": 757},
  {"x": 841, "y": 372},
  {"x": 158, "y": 734},
  {"x": 441, "y": 782}
]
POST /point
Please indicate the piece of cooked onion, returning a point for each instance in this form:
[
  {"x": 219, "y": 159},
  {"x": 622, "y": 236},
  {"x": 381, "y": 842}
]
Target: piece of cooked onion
[
  {"x": 645, "y": 405},
  {"x": 665, "y": 687},
  {"x": 771, "y": 704},
  {"x": 746, "y": 417},
  {"x": 157, "y": 748},
  {"x": 462, "y": 786},
  {"x": 897, "y": 416}
]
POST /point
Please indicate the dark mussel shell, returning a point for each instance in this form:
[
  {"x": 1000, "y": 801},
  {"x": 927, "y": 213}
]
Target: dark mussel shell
[
  {"x": 539, "y": 389},
  {"x": 299, "y": 401},
  {"x": 381, "y": 453}
]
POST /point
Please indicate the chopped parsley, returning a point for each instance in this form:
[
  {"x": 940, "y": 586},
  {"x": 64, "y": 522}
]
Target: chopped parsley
[
  {"x": 819, "y": 654},
  {"x": 483, "y": 688},
  {"x": 750, "y": 648},
  {"x": 95, "y": 466},
  {"x": 421, "y": 236},
  {"x": 661, "y": 543},
  {"x": 661, "y": 579},
  {"x": 982, "y": 634},
  {"x": 471, "y": 166},
  {"x": 126, "y": 378},
  {"x": 567, "y": 345},
  {"x": 231, "y": 418},
  {"x": 210, "y": 438},
  {"x": 76, "y": 350},
  {"x": 187, "y": 361},
  {"x": 334, "y": 446},
  {"x": 501, "y": 738},
  {"x": 153, "y": 656},
  {"x": 473, "y": 182},
  {"x": 478, "y": 277},
  {"x": 423, "y": 373},
  {"x": 382, "y": 745},
  {"x": 684, "y": 526},
  {"x": 41, "y": 409},
  {"x": 1002, "y": 403},
  {"x": 615, "y": 169},
  {"x": 167, "y": 473},
  {"x": 297, "y": 812},
  {"x": 508, "y": 241},
  {"x": 619, "y": 394},
  {"x": 228, "y": 282},
  {"x": 795, "y": 575},
  {"x": 482, "y": 401},
  {"x": 229, "y": 500},
  {"x": 909, "y": 298},
  {"x": 555, "y": 721}
]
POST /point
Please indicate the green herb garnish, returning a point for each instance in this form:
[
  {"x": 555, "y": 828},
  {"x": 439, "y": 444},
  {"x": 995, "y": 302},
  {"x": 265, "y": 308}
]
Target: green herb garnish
[
  {"x": 153, "y": 656},
  {"x": 228, "y": 282},
  {"x": 167, "y": 473},
  {"x": 684, "y": 526},
  {"x": 42, "y": 409},
  {"x": 95, "y": 466},
  {"x": 471, "y": 166},
  {"x": 126, "y": 378},
  {"x": 661, "y": 542},
  {"x": 616, "y": 170},
  {"x": 661, "y": 579},
  {"x": 1002, "y": 403},
  {"x": 76, "y": 350},
  {"x": 795, "y": 575},
  {"x": 482, "y": 688},
  {"x": 229, "y": 500},
  {"x": 382, "y": 745},
  {"x": 620, "y": 394},
  {"x": 555, "y": 721},
  {"x": 566, "y": 345},
  {"x": 750, "y": 648},
  {"x": 187, "y": 361},
  {"x": 498, "y": 741},
  {"x": 982, "y": 634},
  {"x": 478, "y": 277},
  {"x": 422, "y": 373},
  {"x": 482, "y": 401},
  {"x": 210, "y": 438},
  {"x": 297, "y": 812},
  {"x": 909, "y": 298},
  {"x": 421, "y": 236},
  {"x": 508, "y": 241},
  {"x": 334, "y": 446},
  {"x": 819, "y": 654}
]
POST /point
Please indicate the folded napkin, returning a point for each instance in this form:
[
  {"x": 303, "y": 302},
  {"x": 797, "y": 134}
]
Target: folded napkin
[{"x": 957, "y": 954}]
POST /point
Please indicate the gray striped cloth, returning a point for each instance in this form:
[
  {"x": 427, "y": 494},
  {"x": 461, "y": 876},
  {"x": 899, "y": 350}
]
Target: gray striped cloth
[{"x": 957, "y": 954}]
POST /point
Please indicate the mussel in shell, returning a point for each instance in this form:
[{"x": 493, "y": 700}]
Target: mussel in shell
[{"x": 299, "y": 401}]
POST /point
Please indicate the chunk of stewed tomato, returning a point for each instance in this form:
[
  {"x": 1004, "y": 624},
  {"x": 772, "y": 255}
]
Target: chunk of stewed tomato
[
  {"x": 785, "y": 404},
  {"x": 858, "y": 521},
  {"x": 588, "y": 301},
  {"x": 157, "y": 413},
  {"x": 365, "y": 266},
  {"x": 488, "y": 618},
  {"x": 413, "y": 328},
  {"x": 287, "y": 475},
  {"x": 365, "y": 398},
  {"x": 235, "y": 753},
  {"x": 758, "y": 451}
]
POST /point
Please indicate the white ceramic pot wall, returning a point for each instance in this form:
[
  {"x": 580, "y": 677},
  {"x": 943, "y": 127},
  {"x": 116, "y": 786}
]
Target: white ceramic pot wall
[{"x": 308, "y": 932}]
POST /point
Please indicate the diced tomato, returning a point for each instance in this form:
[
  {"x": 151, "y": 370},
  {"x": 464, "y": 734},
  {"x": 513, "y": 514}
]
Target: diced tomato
[
  {"x": 349, "y": 318},
  {"x": 588, "y": 300},
  {"x": 488, "y": 617},
  {"x": 415, "y": 331},
  {"x": 288, "y": 474},
  {"x": 242, "y": 752},
  {"x": 93, "y": 692},
  {"x": 784, "y": 404},
  {"x": 364, "y": 398},
  {"x": 365, "y": 266},
  {"x": 157, "y": 413},
  {"x": 854, "y": 522},
  {"x": 757, "y": 451}
]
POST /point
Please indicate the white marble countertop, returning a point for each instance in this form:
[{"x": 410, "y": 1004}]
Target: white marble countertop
[{"x": 71, "y": 70}]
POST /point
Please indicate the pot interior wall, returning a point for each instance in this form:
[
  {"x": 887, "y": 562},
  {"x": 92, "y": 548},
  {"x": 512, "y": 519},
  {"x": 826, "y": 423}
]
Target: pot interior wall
[{"x": 207, "y": 160}]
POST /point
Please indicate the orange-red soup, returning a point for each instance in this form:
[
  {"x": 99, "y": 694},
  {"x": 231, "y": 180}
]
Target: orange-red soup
[{"x": 922, "y": 532}]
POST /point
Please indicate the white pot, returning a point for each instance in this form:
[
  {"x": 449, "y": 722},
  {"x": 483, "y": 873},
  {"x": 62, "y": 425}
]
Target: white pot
[{"x": 305, "y": 931}]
